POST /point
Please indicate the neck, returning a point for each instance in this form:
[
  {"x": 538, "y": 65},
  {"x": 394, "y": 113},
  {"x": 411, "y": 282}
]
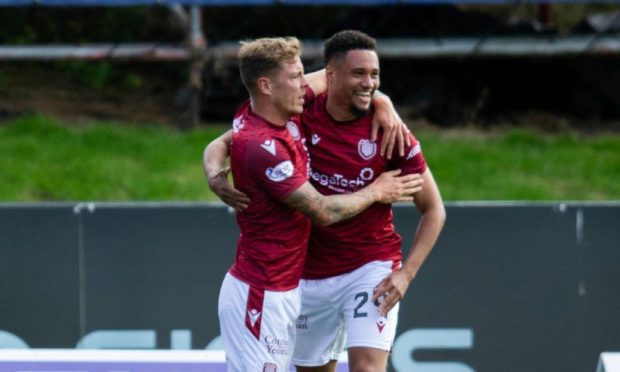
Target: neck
[
  {"x": 269, "y": 112},
  {"x": 339, "y": 111}
]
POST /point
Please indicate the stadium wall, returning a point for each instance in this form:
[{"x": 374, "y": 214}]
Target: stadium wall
[{"x": 509, "y": 287}]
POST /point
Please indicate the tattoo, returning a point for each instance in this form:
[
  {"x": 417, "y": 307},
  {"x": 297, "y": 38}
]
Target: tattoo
[
  {"x": 325, "y": 210},
  {"x": 304, "y": 202}
]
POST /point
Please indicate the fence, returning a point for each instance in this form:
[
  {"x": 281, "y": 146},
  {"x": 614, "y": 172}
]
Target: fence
[{"x": 194, "y": 48}]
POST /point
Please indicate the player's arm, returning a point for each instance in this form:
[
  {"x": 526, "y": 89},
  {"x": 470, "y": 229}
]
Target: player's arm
[
  {"x": 214, "y": 164},
  {"x": 317, "y": 81},
  {"x": 325, "y": 210},
  {"x": 394, "y": 129},
  {"x": 433, "y": 215}
]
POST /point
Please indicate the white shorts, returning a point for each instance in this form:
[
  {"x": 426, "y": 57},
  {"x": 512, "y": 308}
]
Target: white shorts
[
  {"x": 258, "y": 327},
  {"x": 341, "y": 308}
]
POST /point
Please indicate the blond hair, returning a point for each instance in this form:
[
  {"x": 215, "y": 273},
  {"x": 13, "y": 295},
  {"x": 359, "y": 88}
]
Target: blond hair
[{"x": 260, "y": 57}]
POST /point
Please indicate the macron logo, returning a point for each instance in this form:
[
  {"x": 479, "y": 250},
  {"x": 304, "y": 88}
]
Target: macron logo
[
  {"x": 381, "y": 323},
  {"x": 415, "y": 150},
  {"x": 253, "y": 314},
  {"x": 315, "y": 139},
  {"x": 270, "y": 146}
]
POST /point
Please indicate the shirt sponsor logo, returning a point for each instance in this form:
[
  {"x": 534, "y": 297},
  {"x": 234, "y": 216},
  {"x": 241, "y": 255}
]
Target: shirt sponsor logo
[
  {"x": 276, "y": 346},
  {"x": 270, "y": 146},
  {"x": 293, "y": 130},
  {"x": 367, "y": 149},
  {"x": 341, "y": 184},
  {"x": 415, "y": 150},
  {"x": 237, "y": 124},
  {"x": 280, "y": 172},
  {"x": 302, "y": 322},
  {"x": 315, "y": 139}
]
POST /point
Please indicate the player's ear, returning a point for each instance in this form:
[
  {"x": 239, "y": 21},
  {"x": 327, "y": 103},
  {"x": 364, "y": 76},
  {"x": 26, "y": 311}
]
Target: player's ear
[
  {"x": 329, "y": 74},
  {"x": 264, "y": 85}
]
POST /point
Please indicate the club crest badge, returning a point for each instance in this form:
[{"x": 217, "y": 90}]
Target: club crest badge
[
  {"x": 270, "y": 367},
  {"x": 238, "y": 124},
  {"x": 367, "y": 149},
  {"x": 293, "y": 130}
]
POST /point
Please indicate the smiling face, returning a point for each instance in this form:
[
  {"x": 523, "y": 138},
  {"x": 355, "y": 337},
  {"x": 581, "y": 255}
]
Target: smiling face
[{"x": 353, "y": 79}]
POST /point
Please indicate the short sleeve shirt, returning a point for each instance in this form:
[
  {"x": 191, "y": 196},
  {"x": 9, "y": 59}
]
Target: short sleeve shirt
[
  {"x": 268, "y": 163},
  {"x": 344, "y": 160}
]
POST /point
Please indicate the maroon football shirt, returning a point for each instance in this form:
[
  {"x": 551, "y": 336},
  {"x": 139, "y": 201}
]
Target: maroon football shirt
[
  {"x": 343, "y": 160},
  {"x": 268, "y": 163}
]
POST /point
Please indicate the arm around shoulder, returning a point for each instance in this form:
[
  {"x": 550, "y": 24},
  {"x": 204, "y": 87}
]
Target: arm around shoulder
[
  {"x": 317, "y": 81},
  {"x": 214, "y": 165},
  {"x": 215, "y": 154}
]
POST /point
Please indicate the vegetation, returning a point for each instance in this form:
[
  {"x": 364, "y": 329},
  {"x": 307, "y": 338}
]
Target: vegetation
[
  {"x": 523, "y": 164},
  {"x": 44, "y": 160}
]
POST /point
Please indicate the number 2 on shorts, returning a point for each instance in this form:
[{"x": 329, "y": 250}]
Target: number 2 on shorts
[{"x": 364, "y": 297}]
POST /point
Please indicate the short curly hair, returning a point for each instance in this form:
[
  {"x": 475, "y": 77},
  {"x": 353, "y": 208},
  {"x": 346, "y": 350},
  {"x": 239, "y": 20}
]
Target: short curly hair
[
  {"x": 262, "y": 56},
  {"x": 342, "y": 42}
]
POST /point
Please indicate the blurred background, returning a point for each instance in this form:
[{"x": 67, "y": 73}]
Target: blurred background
[{"x": 451, "y": 63}]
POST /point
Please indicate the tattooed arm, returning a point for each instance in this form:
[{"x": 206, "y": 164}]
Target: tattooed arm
[{"x": 326, "y": 210}]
